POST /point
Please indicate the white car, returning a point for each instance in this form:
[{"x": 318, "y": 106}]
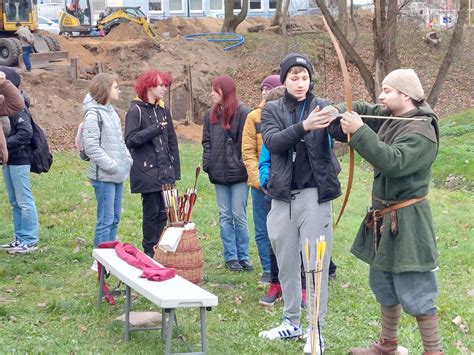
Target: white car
[{"x": 46, "y": 24}]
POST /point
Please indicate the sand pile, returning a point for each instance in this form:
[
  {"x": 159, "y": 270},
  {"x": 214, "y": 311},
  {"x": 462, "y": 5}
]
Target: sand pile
[{"x": 126, "y": 31}]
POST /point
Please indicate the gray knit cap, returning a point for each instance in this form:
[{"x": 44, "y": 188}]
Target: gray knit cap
[{"x": 407, "y": 82}]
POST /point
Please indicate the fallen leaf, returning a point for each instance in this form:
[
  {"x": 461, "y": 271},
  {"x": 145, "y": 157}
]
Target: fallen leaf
[
  {"x": 374, "y": 323},
  {"x": 64, "y": 318},
  {"x": 457, "y": 320},
  {"x": 41, "y": 305},
  {"x": 347, "y": 285},
  {"x": 83, "y": 328},
  {"x": 9, "y": 290},
  {"x": 238, "y": 300},
  {"x": 13, "y": 318},
  {"x": 461, "y": 324},
  {"x": 221, "y": 318},
  {"x": 460, "y": 346},
  {"x": 470, "y": 293}
]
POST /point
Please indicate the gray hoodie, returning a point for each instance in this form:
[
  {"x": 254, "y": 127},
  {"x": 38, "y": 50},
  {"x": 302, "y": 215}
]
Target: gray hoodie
[{"x": 110, "y": 160}]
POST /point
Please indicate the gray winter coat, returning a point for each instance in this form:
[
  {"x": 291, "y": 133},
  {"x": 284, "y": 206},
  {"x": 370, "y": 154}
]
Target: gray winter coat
[{"x": 110, "y": 160}]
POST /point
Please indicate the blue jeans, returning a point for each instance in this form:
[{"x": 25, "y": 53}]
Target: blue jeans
[
  {"x": 232, "y": 204},
  {"x": 261, "y": 207},
  {"x": 26, "y": 50},
  {"x": 25, "y": 215},
  {"x": 109, "y": 207}
]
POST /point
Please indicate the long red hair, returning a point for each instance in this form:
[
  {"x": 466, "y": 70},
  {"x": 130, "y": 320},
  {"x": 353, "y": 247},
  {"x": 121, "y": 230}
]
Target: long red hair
[
  {"x": 149, "y": 79},
  {"x": 225, "y": 85}
]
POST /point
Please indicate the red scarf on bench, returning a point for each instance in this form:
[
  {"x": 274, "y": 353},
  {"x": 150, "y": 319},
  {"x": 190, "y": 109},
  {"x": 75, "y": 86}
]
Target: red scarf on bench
[
  {"x": 140, "y": 260},
  {"x": 135, "y": 257}
]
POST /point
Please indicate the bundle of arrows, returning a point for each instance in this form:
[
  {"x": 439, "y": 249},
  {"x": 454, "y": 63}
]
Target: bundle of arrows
[
  {"x": 314, "y": 278},
  {"x": 180, "y": 208}
]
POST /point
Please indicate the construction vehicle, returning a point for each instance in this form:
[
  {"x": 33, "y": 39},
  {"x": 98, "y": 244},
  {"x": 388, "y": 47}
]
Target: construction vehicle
[
  {"x": 24, "y": 12},
  {"x": 114, "y": 16},
  {"x": 76, "y": 21}
]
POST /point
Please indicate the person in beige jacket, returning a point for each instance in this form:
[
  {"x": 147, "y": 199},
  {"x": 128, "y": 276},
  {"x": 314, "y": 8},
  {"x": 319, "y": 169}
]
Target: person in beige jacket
[{"x": 251, "y": 146}]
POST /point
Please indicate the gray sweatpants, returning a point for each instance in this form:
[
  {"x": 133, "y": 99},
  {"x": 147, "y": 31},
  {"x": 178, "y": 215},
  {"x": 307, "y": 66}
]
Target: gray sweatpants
[{"x": 288, "y": 235}]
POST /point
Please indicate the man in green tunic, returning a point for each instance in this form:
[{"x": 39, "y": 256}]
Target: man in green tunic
[{"x": 397, "y": 238}]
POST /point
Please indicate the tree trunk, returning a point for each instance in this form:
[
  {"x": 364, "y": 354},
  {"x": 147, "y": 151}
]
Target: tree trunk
[
  {"x": 284, "y": 28},
  {"x": 385, "y": 36},
  {"x": 342, "y": 15},
  {"x": 451, "y": 53},
  {"x": 231, "y": 21},
  {"x": 355, "y": 39},
  {"x": 277, "y": 16},
  {"x": 346, "y": 46}
]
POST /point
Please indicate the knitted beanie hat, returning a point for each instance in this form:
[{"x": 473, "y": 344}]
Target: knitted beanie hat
[
  {"x": 12, "y": 75},
  {"x": 292, "y": 60},
  {"x": 407, "y": 82},
  {"x": 271, "y": 81}
]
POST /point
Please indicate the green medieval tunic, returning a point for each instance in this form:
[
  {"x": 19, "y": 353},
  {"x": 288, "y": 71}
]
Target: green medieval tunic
[{"x": 401, "y": 153}]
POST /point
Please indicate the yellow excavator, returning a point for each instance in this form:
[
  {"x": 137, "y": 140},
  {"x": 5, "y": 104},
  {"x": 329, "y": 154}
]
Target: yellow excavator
[
  {"x": 24, "y": 12},
  {"x": 77, "y": 21}
]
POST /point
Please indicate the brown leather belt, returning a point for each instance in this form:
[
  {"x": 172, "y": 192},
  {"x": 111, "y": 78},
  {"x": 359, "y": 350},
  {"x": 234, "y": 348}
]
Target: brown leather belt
[{"x": 374, "y": 217}]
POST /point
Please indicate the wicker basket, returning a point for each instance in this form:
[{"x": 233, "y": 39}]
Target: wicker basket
[{"x": 187, "y": 260}]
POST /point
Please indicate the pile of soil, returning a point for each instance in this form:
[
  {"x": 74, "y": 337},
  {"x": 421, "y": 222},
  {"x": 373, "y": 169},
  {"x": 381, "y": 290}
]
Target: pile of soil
[
  {"x": 181, "y": 26},
  {"x": 126, "y": 31}
]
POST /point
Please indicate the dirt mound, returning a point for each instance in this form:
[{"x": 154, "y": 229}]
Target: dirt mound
[
  {"x": 181, "y": 26},
  {"x": 126, "y": 32},
  {"x": 75, "y": 49}
]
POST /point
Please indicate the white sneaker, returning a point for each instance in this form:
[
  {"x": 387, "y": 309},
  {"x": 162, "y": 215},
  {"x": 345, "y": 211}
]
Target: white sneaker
[
  {"x": 285, "y": 330},
  {"x": 23, "y": 248},
  {"x": 94, "y": 266},
  {"x": 319, "y": 346}
]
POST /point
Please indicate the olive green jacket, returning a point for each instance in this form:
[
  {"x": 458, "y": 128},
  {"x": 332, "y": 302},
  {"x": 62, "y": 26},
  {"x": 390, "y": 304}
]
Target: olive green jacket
[{"x": 401, "y": 153}]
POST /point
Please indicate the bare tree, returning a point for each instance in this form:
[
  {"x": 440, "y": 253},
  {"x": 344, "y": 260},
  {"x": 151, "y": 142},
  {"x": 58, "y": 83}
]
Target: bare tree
[
  {"x": 277, "y": 16},
  {"x": 284, "y": 27},
  {"x": 231, "y": 21},
  {"x": 355, "y": 27},
  {"x": 342, "y": 15},
  {"x": 385, "y": 52},
  {"x": 355, "y": 58},
  {"x": 451, "y": 53}
]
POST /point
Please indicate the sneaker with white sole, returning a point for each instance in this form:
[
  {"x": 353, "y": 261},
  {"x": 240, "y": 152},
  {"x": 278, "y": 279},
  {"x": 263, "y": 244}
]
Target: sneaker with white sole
[
  {"x": 319, "y": 344},
  {"x": 285, "y": 330},
  {"x": 23, "y": 248},
  {"x": 13, "y": 244}
]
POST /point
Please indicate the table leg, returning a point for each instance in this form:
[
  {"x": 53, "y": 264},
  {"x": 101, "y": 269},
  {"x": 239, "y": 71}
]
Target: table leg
[
  {"x": 169, "y": 332},
  {"x": 101, "y": 282},
  {"x": 203, "y": 330},
  {"x": 128, "y": 302}
]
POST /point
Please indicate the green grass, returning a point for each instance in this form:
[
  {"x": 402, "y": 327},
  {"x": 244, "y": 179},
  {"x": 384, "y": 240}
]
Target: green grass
[
  {"x": 47, "y": 299},
  {"x": 456, "y": 155}
]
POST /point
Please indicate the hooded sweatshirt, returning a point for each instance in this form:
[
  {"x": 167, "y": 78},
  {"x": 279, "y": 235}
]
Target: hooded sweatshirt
[{"x": 110, "y": 160}]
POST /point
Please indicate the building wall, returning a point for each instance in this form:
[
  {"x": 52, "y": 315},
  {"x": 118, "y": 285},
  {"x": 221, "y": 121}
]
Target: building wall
[{"x": 198, "y": 8}]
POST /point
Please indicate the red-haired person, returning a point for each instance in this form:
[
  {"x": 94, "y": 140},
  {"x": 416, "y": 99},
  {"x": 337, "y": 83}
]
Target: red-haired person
[
  {"x": 151, "y": 138},
  {"x": 222, "y": 161}
]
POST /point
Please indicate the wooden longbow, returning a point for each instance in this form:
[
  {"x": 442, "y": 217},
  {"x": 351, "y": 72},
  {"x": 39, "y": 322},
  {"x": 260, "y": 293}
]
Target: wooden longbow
[{"x": 348, "y": 99}]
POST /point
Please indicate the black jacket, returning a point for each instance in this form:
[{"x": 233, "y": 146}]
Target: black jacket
[
  {"x": 280, "y": 136},
  {"x": 154, "y": 148},
  {"x": 20, "y": 135},
  {"x": 222, "y": 149}
]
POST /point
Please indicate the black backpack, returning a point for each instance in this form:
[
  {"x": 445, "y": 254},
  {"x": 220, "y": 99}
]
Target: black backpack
[{"x": 41, "y": 158}]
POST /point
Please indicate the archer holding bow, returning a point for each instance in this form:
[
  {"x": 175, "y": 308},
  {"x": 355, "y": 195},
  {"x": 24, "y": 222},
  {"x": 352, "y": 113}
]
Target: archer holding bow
[{"x": 397, "y": 238}]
